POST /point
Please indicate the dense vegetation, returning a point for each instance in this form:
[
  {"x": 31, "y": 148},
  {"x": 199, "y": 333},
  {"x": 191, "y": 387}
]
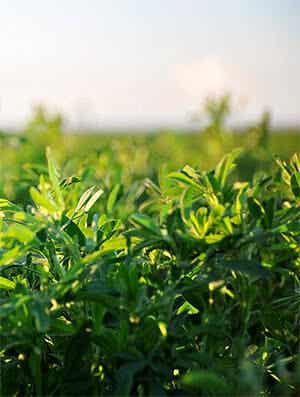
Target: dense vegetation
[{"x": 120, "y": 276}]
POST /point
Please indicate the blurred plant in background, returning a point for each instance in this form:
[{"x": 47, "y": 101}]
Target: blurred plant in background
[
  {"x": 130, "y": 157},
  {"x": 217, "y": 110},
  {"x": 44, "y": 125},
  {"x": 257, "y": 154}
]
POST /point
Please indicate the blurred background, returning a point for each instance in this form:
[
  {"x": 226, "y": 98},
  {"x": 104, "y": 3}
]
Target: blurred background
[{"x": 134, "y": 86}]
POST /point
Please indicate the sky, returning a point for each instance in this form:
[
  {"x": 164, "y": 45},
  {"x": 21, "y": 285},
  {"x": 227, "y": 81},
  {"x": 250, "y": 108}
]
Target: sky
[{"x": 140, "y": 62}]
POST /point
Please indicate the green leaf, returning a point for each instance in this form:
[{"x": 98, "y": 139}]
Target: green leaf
[
  {"x": 92, "y": 200},
  {"x": 240, "y": 197},
  {"x": 20, "y": 232},
  {"x": 71, "y": 180},
  {"x": 113, "y": 198},
  {"x": 146, "y": 222},
  {"x": 115, "y": 243},
  {"x": 53, "y": 175},
  {"x": 225, "y": 166},
  {"x": 6, "y": 205},
  {"x": 187, "y": 180},
  {"x": 214, "y": 238},
  {"x": 42, "y": 201},
  {"x": 295, "y": 184},
  {"x": 10, "y": 256},
  {"x": 88, "y": 199},
  {"x": 5, "y": 283},
  {"x": 112, "y": 245},
  {"x": 73, "y": 230},
  {"x": 205, "y": 382},
  {"x": 83, "y": 199},
  {"x": 255, "y": 208}
]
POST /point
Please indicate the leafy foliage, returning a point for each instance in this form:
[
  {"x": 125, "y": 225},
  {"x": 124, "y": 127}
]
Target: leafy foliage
[{"x": 187, "y": 284}]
